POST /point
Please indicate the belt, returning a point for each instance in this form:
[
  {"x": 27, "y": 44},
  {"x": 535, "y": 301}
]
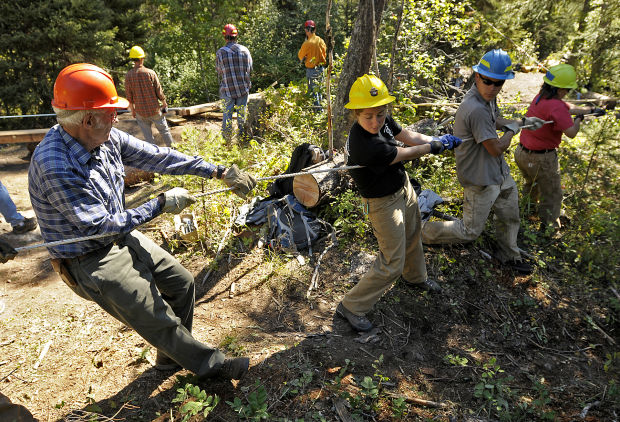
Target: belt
[{"x": 537, "y": 151}]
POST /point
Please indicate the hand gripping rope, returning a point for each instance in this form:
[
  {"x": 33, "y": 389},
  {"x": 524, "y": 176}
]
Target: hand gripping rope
[{"x": 99, "y": 236}]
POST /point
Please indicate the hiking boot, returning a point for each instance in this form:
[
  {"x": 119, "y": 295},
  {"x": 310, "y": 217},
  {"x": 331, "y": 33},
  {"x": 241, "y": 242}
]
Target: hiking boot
[
  {"x": 360, "y": 323},
  {"x": 28, "y": 224},
  {"x": 520, "y": 266},
  {"x": 428, "y": 285},
  {"x": 164, "y": 363},
  {"x": 234, "y": 368}
]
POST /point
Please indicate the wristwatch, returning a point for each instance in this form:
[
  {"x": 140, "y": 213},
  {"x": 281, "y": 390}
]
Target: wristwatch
[{"x": 220, "y": 171}]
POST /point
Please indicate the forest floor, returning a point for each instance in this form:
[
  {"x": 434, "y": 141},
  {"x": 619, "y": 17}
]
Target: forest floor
[{"x": 493, "y": 341}]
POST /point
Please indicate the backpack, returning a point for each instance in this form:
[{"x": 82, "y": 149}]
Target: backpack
[
  {"x": 291, "y": 225},
  {"x": 303, "y": 155}
]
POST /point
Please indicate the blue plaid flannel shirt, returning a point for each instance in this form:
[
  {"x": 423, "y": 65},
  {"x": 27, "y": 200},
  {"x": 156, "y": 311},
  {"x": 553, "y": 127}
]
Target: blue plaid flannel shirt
[
  {"x": 234, "y": 64},
  {"x": 77, "y": 193}
]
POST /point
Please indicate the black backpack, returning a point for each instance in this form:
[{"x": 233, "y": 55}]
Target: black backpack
[
  {"x": 300, "y": 159},
  {"x": 291, "y": 225}
]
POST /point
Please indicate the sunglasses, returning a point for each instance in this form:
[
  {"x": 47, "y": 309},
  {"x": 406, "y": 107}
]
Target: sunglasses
[{"x": 487, "y": 81}]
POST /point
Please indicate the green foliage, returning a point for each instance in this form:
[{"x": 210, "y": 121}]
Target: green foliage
[
  {"x": 347, "y": 216},
  {"x": 455, "y": 360},
  {"x": 256, "y": 407},
  {"x": 194, "y": 401},
  {"x": 492, "y": 388},
  {"x": 232, "y": 346}
]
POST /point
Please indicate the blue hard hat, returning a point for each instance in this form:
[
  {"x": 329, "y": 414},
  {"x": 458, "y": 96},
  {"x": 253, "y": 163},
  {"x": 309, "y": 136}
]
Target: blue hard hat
[{"x": 495, "y": 64}]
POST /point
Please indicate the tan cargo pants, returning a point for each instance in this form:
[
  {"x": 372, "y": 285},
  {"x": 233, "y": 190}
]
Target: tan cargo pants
[
  {"x": 502, "y": 199},
  {"x": 396, "y": 224},
  {"x": 543, "y": 183}
]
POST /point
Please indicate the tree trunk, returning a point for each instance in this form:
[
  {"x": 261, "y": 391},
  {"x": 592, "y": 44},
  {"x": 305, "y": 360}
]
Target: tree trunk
[
  {"x": 316, "y": 189},
  {"x": 356, "y": 63}
]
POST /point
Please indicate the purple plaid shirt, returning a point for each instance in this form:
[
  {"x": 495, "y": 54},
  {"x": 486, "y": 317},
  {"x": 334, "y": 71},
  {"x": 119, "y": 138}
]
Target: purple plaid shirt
[
  {"x": 77, "y": 193},
  {"x": 234, "y": 64}
]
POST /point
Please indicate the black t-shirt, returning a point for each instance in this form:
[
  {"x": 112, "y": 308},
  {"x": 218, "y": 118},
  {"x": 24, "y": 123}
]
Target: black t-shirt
[{"x": 376, "y": 152}]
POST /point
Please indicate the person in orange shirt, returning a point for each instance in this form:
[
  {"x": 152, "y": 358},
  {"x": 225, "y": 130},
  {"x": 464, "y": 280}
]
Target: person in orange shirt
[{"x": 312, "y": 54}]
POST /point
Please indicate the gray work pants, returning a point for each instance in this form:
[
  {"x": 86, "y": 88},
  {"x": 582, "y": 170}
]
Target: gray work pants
[
  {"x": 159, "y": 120},
  {"x": 146, "y": 288},
  {"x": 478, "y": 203}
]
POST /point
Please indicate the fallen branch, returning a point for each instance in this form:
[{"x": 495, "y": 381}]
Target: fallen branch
[
  {"x": 220, "y": 246},
  {"x": 587, "y": 408},
  {"x": 44, "y": 351},
  {"x": 420, "y": 402},
  {"x": 314, "y": 282}
]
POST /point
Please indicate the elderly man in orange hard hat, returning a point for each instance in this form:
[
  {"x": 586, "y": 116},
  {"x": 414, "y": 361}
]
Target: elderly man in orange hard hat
[{"x": 76, "y": 188}]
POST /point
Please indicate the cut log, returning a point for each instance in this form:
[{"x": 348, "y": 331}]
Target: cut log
[{"x": 316, "y": 189}]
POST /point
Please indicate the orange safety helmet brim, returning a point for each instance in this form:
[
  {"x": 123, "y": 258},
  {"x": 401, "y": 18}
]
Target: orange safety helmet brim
[{"x": 84, "y": 86}]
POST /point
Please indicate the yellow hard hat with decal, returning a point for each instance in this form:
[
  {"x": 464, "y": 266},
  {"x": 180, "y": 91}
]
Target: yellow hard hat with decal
[{"x": 368, "y": 91}]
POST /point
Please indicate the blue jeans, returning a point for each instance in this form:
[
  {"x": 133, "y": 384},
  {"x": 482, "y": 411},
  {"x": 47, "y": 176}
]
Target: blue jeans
[
  {"x": 315, "y": 82},
  {"x": 8, "y": 208},
  {"x": 231, "y": 105},
  {"x": 160, "y": 124}
]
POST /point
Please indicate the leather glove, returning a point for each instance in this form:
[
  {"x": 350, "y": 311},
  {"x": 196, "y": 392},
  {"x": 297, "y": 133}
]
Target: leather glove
[
  {"x": 176, "y": 200},
  {"x": 512, "y": 126},
  {"x": 597, "y": 111},
  {"x": 450, "y": 141},
  {"x": 534, "y": 122},
  {"x": 6, "y": 252},
  {"x": 241, "y": 181}
]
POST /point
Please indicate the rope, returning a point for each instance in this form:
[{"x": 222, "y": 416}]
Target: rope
[{"x": 99, "y": 236}]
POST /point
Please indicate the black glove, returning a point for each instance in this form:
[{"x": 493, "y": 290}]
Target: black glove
[
  {"x": 6, "y": 252},
  {"x": 597, "y": 111}
]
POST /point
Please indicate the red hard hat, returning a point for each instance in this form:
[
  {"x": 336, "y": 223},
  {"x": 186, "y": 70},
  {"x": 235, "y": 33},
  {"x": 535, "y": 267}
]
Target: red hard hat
[
  {"x": 309, "y": 24},
  {"x": 229, "y": 30},
  {"x": 84, "y": 86}
]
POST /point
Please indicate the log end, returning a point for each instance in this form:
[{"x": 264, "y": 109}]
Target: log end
[{"x": 306, "y": 190}]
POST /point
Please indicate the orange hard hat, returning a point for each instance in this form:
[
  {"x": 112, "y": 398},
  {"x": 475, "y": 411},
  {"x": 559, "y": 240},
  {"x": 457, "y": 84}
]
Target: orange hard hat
[
  {"x": 84, "y": 86},
  {"x": 229, "y": 30}
]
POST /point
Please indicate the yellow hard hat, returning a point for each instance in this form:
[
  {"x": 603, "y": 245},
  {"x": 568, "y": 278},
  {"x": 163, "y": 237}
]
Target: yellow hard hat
[
  {"x": 136, "y": 52},
  {"x": 561, "y": 76},
  {"x": 368, "y": 91}
]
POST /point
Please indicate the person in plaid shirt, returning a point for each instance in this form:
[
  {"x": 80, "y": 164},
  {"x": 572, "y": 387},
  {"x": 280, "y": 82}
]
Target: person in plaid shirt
[
  {"x": 233, "y": 64},
  {"x": 144, "y": 94},
  {"x": 76, "y": 188}
]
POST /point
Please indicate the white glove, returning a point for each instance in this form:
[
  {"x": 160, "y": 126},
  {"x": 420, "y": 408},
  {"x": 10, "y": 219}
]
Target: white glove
[
  {"x": 177, "y": 199},
  {"x": 512, "y": 126},
  {"x": 534, "y": 122}
]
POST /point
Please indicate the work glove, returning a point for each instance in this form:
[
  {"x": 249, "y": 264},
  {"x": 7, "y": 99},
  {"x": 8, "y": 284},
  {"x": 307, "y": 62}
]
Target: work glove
[
  {"x": 449, "y": 141},
  {"x": 597, "y": 111},
  {"x": 534, "y": 122},
  {"x": 6, "y": 252},
  {"x": 512, "y": 126},
  {"x": 176, "y": 200},
  {"x": 241, "y": 181}
]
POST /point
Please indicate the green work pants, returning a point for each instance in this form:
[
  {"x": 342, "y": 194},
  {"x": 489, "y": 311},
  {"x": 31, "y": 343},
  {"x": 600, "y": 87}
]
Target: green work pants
[
  {"x": 543, "y": 183},
  {"x": 146, "y": 288},
  {"x": 478, "y": 203},
  {"x": 396, "y": 224}
]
